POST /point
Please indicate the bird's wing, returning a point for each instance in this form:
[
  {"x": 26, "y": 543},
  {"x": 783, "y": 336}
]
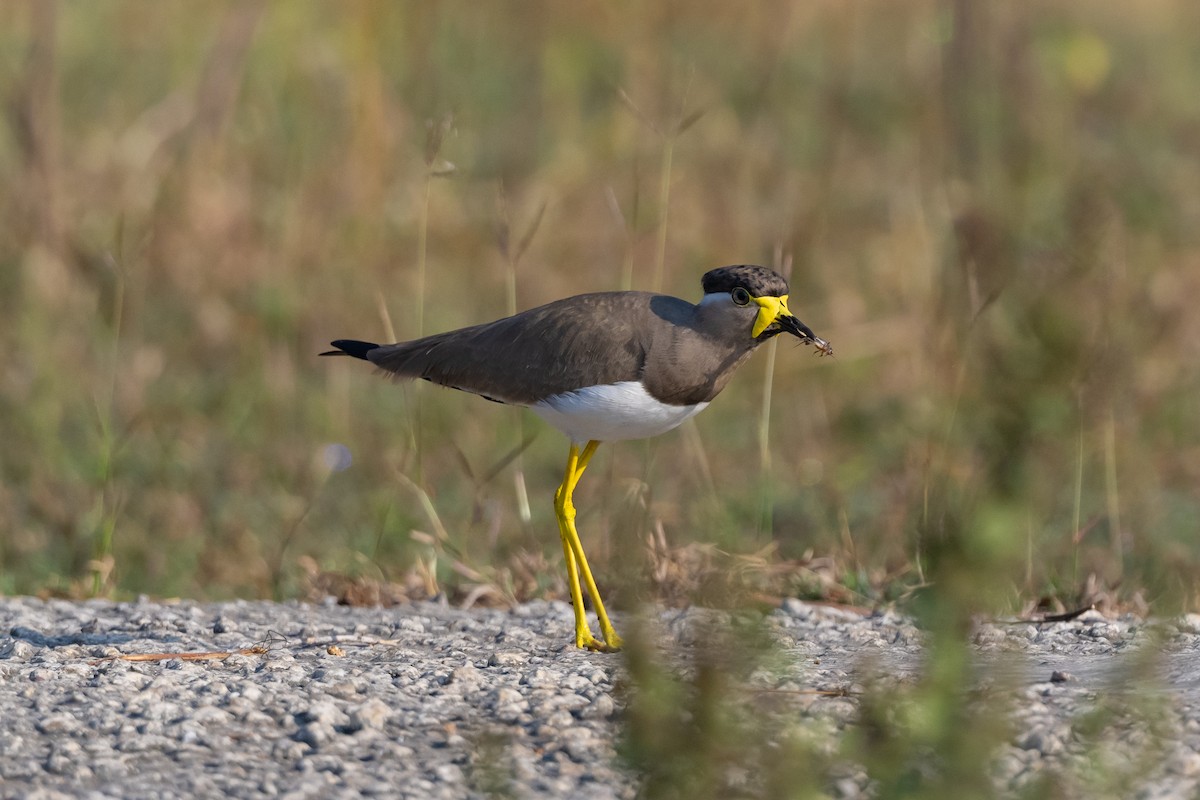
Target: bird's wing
[{"x": 580, "y": 341}]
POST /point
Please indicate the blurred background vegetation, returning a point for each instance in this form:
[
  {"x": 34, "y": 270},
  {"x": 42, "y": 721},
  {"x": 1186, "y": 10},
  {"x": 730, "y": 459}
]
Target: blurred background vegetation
[{"x": 991, "y": 211}]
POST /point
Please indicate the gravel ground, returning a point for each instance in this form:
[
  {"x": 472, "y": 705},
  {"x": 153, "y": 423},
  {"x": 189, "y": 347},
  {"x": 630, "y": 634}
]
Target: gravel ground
[{"x": 428, "y": 701}]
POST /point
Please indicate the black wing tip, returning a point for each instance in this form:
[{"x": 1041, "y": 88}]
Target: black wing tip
[{"x": 351, "y": 347}]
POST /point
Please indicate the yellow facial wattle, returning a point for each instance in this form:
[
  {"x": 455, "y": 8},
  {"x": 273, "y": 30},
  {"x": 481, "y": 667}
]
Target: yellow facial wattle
[{"x": 769, "y": 309}]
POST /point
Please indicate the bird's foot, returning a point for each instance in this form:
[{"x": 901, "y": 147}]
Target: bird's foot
[
  {"x": 584, "y": 640},
  {"x": 612, "y": 642}
]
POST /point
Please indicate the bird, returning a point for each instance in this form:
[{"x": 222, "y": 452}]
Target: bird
[{"x": 606, "y": 366}]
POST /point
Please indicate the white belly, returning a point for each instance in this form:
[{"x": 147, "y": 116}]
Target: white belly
[{"x": 612, "y": 413}]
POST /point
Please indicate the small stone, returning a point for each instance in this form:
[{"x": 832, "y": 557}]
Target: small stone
[
  {"x": 1042, "y": 742},
  {"x": 539, "y": 678},
  {"x": 17, "y": 650},
  {"x": 506, "y": 658},
  {"x": 1030, "y": 632},
  {"x": 315, "y": 734},
  {"x": 211, "y": 715},
  {"x": 188, "y": 734},
  {"x": 576, "y": 683},
  {"x": 510, "y": 714},
  {"x": 61, "y": 723},
  {"x": 448, "y": 773},
  {"x": 287, "y": 751},
  {"x": 989, "y": 635},
  {"x": 370, "y": 715},
  {"x": 847, "y": 788},
  {"x": 77, "y": 671},
  {"x": 558, "y": 720},
  {"x": 323, "y": 712},
  {"x": 332, "y": 765},
  {"x": 67, "y": 759},
  {"x": 578, "y": 742},
  {"x": 796, "y": 608},
  {"x": 343, "y": 690},
  {"x": 109, "y": 768},
  {"x": 602, "y": 707},
  {"x": 837, "y": 614},
  {"x": 1009, "y": 766},
  {"x": 1061, "y": 676},
  {"x": 467, "y": 674},
  {"x": 1185, "y": 764},
  {"x": 510, "y": 705},
  {"x": 524, "y": 763}
]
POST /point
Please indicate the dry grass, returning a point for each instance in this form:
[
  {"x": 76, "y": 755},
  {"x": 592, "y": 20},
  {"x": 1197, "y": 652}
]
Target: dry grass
[{"x": 990, "y": 211}]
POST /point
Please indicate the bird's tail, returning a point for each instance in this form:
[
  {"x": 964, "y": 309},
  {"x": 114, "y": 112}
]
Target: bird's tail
[{"x": 351, "y": 347}]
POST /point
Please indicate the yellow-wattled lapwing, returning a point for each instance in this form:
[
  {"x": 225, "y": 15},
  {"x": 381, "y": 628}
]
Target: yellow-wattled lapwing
[{"x": 604, "y": 367}]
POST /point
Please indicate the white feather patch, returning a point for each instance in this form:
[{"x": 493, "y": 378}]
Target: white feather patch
[
  {"x": 611, "y": 413},
  {"x": 716, "y": 297}
]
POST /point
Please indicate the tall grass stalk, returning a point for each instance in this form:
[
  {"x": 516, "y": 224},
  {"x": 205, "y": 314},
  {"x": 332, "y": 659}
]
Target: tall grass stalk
[
  {"x": 427, "y": 505},
  {"x": 695, "y": 443},
  {"x": 669, "y": 136},
  {"x": 290, "y": 532},
  {"x": 103, "y": 563},
  {"x": 1112, "y": 497},
  {"x": 627, "y": 230},
  {"x": 936, "y": 464},
  {"x": 1028, "y": 553},
  {"x": 783, "y": 264},
  {"x": 512, "y": 256},
  {"x": 664, "y": 206},
  {"x": 416, "y": 395},
  {"x": 764, "y": 411},
  {"x": 385, "y": 317},
  {"x": 435, "y": 134},
  {"x": 1077, "y": 511},
  {"x": 422, "y": 253}
]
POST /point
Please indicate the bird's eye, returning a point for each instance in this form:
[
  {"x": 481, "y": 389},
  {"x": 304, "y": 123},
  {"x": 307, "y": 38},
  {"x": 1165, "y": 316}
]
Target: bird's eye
[{"x": 740, "y": 296}]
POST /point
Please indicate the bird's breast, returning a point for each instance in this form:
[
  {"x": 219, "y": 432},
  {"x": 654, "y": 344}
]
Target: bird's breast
[{"x": 612, "y": 412}]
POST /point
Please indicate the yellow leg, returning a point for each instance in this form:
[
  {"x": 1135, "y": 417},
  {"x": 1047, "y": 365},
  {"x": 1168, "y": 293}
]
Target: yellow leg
[{"x": 577, "y": 566}]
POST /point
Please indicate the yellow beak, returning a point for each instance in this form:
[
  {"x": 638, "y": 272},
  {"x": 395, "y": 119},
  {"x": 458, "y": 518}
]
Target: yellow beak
[{"x": 769, "y": 309}]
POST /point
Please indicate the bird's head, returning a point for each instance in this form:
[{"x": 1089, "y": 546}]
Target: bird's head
[{"x": 758, "y": 296}]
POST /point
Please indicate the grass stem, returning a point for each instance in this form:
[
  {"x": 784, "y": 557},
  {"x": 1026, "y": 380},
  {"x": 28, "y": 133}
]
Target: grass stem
[
  {"x": 1077, "y": 511},
  {"x": 103, "y": 564},
  {"x": 1112, "y": 497},
  {"x": 664, "y": 205}
]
